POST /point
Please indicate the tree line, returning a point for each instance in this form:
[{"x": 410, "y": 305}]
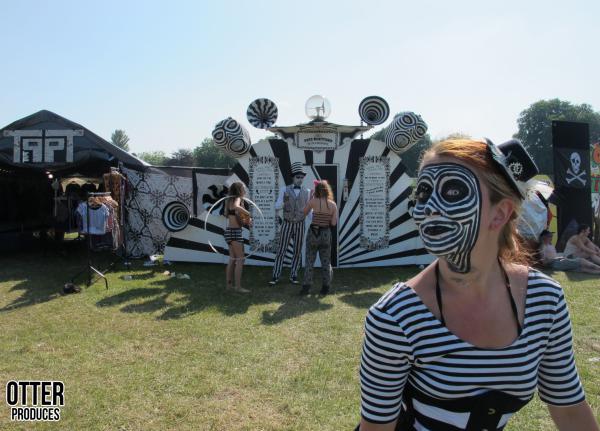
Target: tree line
[{"x": 534, "y": 129}]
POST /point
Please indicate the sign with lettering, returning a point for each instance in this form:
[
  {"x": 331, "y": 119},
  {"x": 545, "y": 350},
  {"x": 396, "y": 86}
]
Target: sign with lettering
[
  {"x": 264, "y": 189},
  {"x": 43, "y": 146},
  {"x": 317, "y": 140},
  {"x": 374, "y": 202}
]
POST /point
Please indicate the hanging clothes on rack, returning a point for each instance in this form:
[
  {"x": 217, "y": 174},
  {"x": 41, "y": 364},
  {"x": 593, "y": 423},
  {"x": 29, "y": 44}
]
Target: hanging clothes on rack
[
  {"x": 104, "y": 221},
  {"x": 113, "y": 220},
  {"x": 112, "y": 183},
  {"x": 98, "y": 216},
  {"x": 99, "y": 221}
]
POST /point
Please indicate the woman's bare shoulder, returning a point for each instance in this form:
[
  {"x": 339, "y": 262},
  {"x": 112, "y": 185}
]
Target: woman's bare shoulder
[
  {"x": 518, "y": 276},
  {"x": 516, "y": 269},
  {"x": 423, "y": 285}
]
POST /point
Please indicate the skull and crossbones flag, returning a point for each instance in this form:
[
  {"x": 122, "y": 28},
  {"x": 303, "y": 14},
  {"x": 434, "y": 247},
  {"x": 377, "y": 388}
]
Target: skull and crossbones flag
[{"x": 572, "y": 168}]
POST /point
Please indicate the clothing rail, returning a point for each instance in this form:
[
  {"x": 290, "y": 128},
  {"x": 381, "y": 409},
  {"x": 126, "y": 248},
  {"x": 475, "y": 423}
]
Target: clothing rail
[{"x": 90, "y": 268}]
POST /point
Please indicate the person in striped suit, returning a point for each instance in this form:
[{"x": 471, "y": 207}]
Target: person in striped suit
[
  {"x": 469, "y": 340},
  {"x": 291, "y": 201}
]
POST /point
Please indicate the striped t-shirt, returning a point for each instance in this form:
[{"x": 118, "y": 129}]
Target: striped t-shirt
[{"x": 407, "y": 347}]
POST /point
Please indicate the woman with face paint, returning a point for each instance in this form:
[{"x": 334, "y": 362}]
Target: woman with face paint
[{"x": 468, "y": 341}]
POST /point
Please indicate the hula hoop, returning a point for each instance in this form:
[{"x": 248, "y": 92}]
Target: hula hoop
[{"x": 262, "y": 217}]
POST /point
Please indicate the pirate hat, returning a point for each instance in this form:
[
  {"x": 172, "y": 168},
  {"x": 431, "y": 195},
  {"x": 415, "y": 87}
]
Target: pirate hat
[
  {"x": 515, "y": 163},
  {"x": 297, "y": 169}
]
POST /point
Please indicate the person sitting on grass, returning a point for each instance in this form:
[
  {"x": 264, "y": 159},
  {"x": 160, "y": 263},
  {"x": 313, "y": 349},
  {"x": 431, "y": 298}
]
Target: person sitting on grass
[
  {"x": 549, "y": 258},
  {"x": 579, "y": 245}
]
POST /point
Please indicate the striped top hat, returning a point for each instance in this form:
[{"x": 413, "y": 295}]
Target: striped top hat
[{"x": 297, "y": 169}]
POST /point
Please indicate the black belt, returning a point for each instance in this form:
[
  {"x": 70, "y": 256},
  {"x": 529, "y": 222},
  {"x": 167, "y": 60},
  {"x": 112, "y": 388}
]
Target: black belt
[
  {"x": 485, "y": 409},
  {"x": 316, "y": 229}
]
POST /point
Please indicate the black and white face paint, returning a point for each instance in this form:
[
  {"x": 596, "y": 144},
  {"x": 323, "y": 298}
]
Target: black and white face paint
[
  {"x": 298, "y": 179},
  {"x": 448, "y": 212}
]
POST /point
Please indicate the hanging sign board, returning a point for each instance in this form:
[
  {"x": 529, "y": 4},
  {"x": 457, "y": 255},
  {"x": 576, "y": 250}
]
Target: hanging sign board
[
  {"x": 374, "y": 202},
  {"x": 264, "y": 189}
]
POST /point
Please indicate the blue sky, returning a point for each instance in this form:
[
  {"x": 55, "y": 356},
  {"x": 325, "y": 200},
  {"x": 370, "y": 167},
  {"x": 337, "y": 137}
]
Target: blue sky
[{"x": 167, "y": 72}]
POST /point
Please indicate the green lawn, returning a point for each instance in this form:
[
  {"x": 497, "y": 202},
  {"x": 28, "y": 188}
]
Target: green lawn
[{"x": 159, "y": 353}]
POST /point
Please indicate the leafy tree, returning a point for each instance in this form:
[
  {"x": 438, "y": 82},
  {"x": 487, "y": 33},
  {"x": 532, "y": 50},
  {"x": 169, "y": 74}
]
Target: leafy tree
[
  {"x": 412, "y": 156},
  {"x": 455, "y": 135},
  {"x": 156, "y": 158},
  {"x": 535, "y": 127},
  {"x": 120, "y": 139},
  {"x": 207, "y": 155},
  {"x": 181, "y": 157}
]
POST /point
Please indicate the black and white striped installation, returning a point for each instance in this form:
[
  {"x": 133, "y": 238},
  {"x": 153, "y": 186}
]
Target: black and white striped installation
[
  {"x": 406, "y": 129},
  {"x": 231, "y": 137},
  {"x": 350, "y": 167},
  {"x": 262, "y": 113},
  {"x": 373, "y": 110},
  {"x": 175, "y": 216}
]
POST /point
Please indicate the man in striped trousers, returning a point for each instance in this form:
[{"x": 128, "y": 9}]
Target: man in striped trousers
[{"x": 292, "y": 200}]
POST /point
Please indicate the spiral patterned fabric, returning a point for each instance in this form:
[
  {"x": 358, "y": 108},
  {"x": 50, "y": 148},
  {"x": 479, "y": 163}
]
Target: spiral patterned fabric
[
  {"x": 231, "y": 137},
  {"x": 406, "y": 129},
  {"x": 175, "y": 216},
  {"x": 262, "y": 113},
  {"x": 373, "y": 110}
]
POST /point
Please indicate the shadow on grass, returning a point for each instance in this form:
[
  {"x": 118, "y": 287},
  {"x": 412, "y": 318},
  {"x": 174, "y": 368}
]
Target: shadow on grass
[
  {"x": 174, "y": 298},
  {"x": 294, "y": 307},
  {"x": 573, "y": 276},
  {"x": 361, "y": 300},
  {"x": 581, "y": 276},
  {"x": 40, "y": 275}
]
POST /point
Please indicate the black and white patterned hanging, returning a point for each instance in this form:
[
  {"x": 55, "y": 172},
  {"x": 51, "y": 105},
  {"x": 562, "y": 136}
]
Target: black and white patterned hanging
[
  {"x": 149, "y": 193},
  {"x": 262, "y": 113},
  {"x": 406, "y": 129},
  {"x": 373, "y": 110},
  {"x": 232, "y": 137}
]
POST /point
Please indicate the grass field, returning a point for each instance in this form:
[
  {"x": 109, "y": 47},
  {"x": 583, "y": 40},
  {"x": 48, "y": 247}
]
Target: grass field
[{"x": 160, "y": 353}]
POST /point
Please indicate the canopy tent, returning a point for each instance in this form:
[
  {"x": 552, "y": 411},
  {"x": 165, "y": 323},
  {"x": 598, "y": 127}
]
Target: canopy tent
[
  {"x": 47, "y": 142},
  {"x": 42, "y": 147}
]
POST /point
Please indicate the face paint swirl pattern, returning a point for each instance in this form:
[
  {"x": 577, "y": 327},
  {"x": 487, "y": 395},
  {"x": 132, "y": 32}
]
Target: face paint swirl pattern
[{"x": 448, "y": 212}]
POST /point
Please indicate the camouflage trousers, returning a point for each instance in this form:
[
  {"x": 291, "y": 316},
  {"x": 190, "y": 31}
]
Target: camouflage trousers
[{"x": 318, "y": 241}]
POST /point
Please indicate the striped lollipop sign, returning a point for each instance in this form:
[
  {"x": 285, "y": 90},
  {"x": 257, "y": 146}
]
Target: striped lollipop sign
[
  {"x": 373, "y": 110},
  {"x": 262, "y": 113}
]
